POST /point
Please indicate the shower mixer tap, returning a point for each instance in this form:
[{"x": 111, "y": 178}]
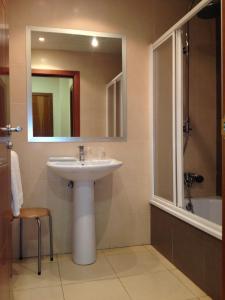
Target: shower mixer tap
[{"x": 190, "y": 178}]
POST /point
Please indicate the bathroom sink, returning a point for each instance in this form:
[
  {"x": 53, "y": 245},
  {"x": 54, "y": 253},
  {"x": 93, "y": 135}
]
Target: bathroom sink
[
  {"x": 83, "y": 170},
  {"x": 83, "y": 173}
]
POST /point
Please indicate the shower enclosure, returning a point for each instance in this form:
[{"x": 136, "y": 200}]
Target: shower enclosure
[
  {"x": 186, "y": 106},
  {"x": 202, "y": 111},
  {"x": 186, "y": 206}
]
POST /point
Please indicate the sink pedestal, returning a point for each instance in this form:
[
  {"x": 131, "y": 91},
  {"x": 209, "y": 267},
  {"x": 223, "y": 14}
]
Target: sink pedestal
[
  {"x": 84, "y": 245},
  {"x": 83, "y": 174}
]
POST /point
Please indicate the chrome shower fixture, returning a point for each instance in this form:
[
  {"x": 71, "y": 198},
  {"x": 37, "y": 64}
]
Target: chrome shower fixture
[
  {"x": 187, "y": 127},
  {"x": 191, "y": 178},
  {"x": 190, "y": 206},
  {"x": 186, "y": 47}
]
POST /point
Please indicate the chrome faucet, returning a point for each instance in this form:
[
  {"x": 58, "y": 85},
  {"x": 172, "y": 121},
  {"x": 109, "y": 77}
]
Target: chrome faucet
[{"x": 81, "y": 153}]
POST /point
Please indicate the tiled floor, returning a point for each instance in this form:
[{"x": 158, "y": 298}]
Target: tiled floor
[{"x": 133, "y": 273}]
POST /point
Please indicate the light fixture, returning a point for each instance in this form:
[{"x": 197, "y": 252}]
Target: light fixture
[
  {"x": 41, "y": 39},
  {"x": 94, "y": 42}
]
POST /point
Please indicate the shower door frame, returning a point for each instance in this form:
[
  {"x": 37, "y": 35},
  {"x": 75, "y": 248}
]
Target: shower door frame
[
  {"x": 157, "y": 44},
  {"x": 177, "y": 94}
]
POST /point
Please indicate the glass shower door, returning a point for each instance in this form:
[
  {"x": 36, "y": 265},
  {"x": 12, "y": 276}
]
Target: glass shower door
[{"x": 164, "y": 119}]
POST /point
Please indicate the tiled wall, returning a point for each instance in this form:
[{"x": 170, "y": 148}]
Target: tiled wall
[{"x": 122, "y": 216}]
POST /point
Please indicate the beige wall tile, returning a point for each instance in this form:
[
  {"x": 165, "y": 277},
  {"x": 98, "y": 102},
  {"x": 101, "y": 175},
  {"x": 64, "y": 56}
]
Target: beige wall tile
[
  {"x": 122, "y": 199},
  {"x": 18, "y": 88}
]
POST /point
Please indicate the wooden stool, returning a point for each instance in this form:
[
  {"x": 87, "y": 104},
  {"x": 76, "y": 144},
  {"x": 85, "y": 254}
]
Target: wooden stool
[{"x": 36, "y": 213}]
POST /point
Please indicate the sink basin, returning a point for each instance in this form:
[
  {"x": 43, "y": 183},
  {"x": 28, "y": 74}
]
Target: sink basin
[
  {"x": 83, "y": 174},
  {"x": 88, "y": 170}
]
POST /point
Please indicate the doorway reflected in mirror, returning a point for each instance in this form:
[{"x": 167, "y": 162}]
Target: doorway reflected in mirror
[{"x": 56, "y": 103}]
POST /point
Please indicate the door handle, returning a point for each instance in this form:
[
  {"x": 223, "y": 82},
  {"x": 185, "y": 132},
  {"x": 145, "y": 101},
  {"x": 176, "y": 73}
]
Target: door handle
[{"x": 9, "y": 129}]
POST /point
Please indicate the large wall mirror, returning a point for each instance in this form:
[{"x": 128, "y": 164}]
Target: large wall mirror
[{"x": 76, "y": 85}]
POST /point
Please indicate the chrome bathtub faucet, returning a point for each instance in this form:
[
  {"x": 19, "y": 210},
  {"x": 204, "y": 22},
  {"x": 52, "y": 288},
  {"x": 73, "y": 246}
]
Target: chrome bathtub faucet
[{"x": 81, "y": 153}]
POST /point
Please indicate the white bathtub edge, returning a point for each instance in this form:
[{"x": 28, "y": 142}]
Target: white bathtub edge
[{"x": 196, "y": 221}]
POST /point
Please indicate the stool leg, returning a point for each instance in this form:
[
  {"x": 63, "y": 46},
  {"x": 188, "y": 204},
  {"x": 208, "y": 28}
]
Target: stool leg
[
  {"x": 51, "y": 237},
  {"x": 39, "y": 245},
  {"x": 21, "y": 238}
]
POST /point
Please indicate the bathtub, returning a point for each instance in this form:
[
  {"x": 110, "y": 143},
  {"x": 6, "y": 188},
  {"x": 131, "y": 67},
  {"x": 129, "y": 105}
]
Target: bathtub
[
  {"x": 209, "y": 208},
  {"x": 207, "y": 214},
  {"x": 191, "y": 241}
]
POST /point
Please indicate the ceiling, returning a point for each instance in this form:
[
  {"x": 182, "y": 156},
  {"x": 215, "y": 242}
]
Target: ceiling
[{"x": 71, "y": 42}]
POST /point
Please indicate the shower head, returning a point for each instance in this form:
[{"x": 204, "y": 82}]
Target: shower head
[{"x": 212, "y": 10}]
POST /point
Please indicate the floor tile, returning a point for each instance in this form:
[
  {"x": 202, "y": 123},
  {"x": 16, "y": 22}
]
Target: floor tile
[
  {"x": 143, "y": 271},
  {"x": 68, "y": 256},
  {"x": 188, "y": 283},
  {"x": 48, "y": 293},
  {"x": 72, "y": 273},
  {"x": 133, "y": 249},
  {"x": 160, "y": 285},
  {"x": 25, "y": 275},
  {"x": 96, "y": 290},
  {"x": 162, "y": 258},
  {"x": 136, "y": 263}
]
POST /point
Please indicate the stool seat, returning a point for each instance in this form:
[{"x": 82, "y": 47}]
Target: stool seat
[{"x": 30, "y": 213}]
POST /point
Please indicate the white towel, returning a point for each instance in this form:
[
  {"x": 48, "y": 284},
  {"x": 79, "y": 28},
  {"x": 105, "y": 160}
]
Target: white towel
[{"x": 16, "y": 185}]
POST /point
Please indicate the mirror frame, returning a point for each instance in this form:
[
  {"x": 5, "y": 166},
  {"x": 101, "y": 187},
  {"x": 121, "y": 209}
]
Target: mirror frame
[{"x": 31, "y": 138}]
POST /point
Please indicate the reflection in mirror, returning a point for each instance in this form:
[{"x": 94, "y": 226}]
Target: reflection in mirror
[
  {"x": 114, "y": 107},
  {"x": 55, "y": 103},
  {"x": 77, "y": 85}
]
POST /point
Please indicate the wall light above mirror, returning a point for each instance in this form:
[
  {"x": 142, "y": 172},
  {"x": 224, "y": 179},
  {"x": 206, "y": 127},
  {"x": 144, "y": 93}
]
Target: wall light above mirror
[{"x": 76, "y": 85}]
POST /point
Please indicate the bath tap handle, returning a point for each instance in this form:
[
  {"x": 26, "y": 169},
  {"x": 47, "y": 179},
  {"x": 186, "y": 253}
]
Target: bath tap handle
[{"x": 199, "y": 178}]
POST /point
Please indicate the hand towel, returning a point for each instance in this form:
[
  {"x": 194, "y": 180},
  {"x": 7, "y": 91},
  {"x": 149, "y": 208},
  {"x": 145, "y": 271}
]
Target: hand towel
[{"x": 16, "y": 185}]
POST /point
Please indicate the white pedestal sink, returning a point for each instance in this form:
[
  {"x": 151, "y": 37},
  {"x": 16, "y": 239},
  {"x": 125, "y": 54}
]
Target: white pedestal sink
[{"x": 83, "y": 174}]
